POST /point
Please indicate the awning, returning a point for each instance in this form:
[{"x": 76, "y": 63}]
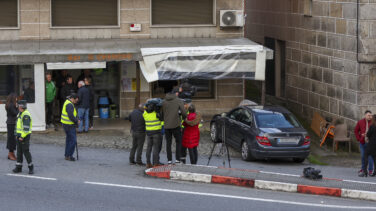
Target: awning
[
  {"x": 75, "y": 65},
  {"x": 204, "y": 62}
]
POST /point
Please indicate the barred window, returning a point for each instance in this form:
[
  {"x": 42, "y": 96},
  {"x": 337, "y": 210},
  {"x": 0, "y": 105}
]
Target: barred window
[
  {"x": 8, "y": 13},
  {"x": 182, "y": 12},
  {"x": 73, "y": 13}
]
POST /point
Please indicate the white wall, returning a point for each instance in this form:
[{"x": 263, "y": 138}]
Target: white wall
[{"x": 37, "y": 109}]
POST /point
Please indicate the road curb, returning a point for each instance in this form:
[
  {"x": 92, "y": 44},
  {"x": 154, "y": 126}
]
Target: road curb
[{"x": 166, "y": 173}]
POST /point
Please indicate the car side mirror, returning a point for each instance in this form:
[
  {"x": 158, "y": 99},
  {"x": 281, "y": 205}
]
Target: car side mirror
[{"x": 223, "y": 115}]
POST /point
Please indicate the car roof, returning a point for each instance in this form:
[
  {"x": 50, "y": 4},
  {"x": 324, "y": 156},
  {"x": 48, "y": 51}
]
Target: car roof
[{"x": 267, "y": 108}]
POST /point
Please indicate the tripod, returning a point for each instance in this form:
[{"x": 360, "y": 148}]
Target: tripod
[{"x": 224, "y": 148}]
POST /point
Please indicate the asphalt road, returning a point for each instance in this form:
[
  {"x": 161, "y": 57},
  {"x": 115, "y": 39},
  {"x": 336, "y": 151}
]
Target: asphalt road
[{"x": 103, "y": 180}]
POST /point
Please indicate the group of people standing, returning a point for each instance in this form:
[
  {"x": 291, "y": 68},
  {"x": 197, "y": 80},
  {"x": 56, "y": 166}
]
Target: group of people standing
[
  {"x": 64, "y": 87},
  {"x": 365, "y": 132},
  {"x": 171, "y": 120}
]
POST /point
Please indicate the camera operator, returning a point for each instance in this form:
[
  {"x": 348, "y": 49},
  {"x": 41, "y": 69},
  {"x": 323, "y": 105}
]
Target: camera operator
[{"x": 186, "y": 90}]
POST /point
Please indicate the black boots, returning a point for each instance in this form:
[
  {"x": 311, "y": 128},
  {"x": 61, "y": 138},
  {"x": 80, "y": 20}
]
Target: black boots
[
  {"x": 18, "y": 169},
  {"x": 31, "y": 169}
]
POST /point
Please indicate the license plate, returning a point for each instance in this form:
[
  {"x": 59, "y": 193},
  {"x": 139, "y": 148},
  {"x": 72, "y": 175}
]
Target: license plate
[{"x": 288, "y": 140}]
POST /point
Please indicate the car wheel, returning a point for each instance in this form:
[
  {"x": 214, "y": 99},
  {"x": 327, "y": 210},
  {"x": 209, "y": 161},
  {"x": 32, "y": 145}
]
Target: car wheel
[
  {"x": 213, "y": 132},
  {"x": 298, "y": 160},
  {"x": 246, "y": 152}
]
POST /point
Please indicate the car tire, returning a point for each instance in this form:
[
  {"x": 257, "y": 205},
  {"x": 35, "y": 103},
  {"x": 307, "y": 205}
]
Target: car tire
[
  {"x": 246, "y": 152},
  {"x": 213, "y": 132},
  {"x": 298, "y": 160}
]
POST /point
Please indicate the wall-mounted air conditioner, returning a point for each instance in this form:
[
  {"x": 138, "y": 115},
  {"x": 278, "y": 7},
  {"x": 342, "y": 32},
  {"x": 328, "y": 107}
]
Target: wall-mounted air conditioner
[{"x": 231, "y": 18}]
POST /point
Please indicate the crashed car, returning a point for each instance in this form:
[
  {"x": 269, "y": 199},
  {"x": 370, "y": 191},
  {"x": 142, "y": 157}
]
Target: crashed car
[{"x": 262, "y": 132}]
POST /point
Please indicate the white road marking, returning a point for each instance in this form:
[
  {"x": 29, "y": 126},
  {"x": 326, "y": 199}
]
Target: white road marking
[
  {"x": 371, "y": 183},
  {"x": 282, "y": 174},
  {"x": 231, "y": 196},
  {"x": 33, "y": 177}
]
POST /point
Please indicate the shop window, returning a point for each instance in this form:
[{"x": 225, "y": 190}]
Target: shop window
[
  {"x": 183, "y": 12},
  {"x": 18, "y": 79},
  {"x": 73, "y": 13},
  {"x": 8, "y": 13},
  {"x": 308, "y": 8},
  {"x": 205, "y": 89}
]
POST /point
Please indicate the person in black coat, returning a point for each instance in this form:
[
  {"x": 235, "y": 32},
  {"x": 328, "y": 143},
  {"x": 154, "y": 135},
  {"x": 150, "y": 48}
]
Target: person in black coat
[
  {"x": 92, "y": 104},
  {"x": 12, "y": 112},
  {"x": 371, "y": 148},
  {"x": 83, "y": 106},
  {"x": 138, "y": 135}
]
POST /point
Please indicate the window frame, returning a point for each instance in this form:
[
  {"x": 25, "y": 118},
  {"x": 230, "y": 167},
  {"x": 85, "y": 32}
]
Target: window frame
[
  {"x": 18, "y": 20},
  {"x": 182, "y": 25},
  {"x": 89, "y": 27}
]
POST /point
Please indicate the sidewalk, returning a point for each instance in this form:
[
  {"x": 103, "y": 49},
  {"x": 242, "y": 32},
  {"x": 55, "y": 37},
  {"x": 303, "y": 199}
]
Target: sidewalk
[{"x": 267, "y": 180}]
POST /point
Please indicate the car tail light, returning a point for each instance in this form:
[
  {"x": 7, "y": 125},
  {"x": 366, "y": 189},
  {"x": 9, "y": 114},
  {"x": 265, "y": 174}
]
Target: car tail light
[
  {"x": 307, "y": 140},
  {"x": 263, "y": 140}
]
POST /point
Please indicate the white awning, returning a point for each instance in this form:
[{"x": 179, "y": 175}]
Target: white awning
[
  {"x": 75, "y": 65},
  {"x": 204, "y": 62}
]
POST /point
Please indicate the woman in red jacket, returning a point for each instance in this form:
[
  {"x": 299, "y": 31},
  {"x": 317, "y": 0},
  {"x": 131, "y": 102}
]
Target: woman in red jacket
[{"x": 191, "y": 134}]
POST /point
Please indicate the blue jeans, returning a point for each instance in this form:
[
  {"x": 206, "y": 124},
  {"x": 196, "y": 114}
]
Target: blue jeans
[
  {"x": 71, "y": 139},
  {"x": 363, "y": 147},
  {"x": 83, "y": 115}
]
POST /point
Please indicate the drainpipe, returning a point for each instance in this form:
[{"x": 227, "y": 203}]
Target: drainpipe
[{"x": 357, "y": 31}]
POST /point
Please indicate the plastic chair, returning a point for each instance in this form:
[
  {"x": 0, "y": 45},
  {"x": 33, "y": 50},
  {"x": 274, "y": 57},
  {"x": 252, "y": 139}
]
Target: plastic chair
[{"x": 341, "y": 134}]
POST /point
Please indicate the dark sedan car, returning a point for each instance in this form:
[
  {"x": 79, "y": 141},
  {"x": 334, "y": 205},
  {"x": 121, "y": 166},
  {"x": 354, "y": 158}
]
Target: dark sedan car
[{"x": 262, "y": 132}]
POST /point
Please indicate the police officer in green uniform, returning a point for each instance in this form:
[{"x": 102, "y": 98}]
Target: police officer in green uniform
[
  {"x": 153, "y": 127},
  {"x": 23, "y": 133}
]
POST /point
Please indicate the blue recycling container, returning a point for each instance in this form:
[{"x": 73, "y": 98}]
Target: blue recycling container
[{"x": 103, "y": 107}]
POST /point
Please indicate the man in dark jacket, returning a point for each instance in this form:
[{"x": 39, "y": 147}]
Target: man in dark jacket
[
  {"x": 67, "y": 89},
  {"x": 88, "y": 85},
  {"x": 29, "y": 94},
  {"x": 83, "y": 107},
  {"x": 360, "y": 131},
  {"x": 138, "y": 134},
  {"x": 172, "y": 108},
  {"x": 69, "y": 120}
]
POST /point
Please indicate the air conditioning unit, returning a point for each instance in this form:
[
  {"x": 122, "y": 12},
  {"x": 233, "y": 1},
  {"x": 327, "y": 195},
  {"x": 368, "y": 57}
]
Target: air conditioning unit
[{"x": 231, "y": 18}]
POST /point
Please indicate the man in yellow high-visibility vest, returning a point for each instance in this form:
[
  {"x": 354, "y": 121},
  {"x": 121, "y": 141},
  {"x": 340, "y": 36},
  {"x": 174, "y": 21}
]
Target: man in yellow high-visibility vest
[
  {"x": 153, "y": 127},
  {"x": 69, "y": 120},
  {"x": 23, "y": 132}
]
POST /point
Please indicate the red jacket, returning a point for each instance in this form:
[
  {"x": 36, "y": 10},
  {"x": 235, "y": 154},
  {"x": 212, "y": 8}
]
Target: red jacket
[
  {"x": 191, "y": 134},
  {"x": 360, "y": 130}
]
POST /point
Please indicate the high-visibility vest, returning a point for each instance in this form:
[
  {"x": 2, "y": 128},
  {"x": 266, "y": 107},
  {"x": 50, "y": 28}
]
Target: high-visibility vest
[
  {"x": 64, "y": 114},
  {"x": 151, "y": 121},
  {"x": 21, "y": 129}
]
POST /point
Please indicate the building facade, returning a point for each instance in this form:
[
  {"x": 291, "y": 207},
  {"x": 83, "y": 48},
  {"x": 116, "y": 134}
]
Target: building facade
[
  {"x": 105, "y": 36},
  {"x": 324, "y": 53}
]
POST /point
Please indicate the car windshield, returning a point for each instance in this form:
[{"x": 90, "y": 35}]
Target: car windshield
[{"x": 270, "y": 119}]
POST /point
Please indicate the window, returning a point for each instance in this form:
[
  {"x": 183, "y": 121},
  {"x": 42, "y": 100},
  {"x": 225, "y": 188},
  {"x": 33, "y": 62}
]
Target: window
[
  {"x": 17, "y": 79},
  {"x": 183, "y": 12},
  {"x": 308, "y": 7},
  {"x": 73, "y": 13},
  {"x": 269, "y": 119},
  {"x": 204, "y": 88},
  {"x": 8, "y": 13}
]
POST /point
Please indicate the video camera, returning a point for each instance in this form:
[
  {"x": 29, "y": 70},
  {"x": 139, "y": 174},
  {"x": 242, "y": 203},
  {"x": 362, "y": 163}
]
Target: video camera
[
  {"x": 187, "y": 90},
  {"x": 154, "y": 104}
]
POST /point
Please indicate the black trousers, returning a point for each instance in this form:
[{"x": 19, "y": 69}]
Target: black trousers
[
  {"x": 23, "y": 149},
  {"x": 49, "y": 113},
  {"x": 154, "y": 144},
  {"x": 176, "y": 132},
  {"x": 11, "y": 138},
  {"x": 91, "y": 115},
  {"x": 137, "y": 146},
  {"x": 193, "y": 154}
]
